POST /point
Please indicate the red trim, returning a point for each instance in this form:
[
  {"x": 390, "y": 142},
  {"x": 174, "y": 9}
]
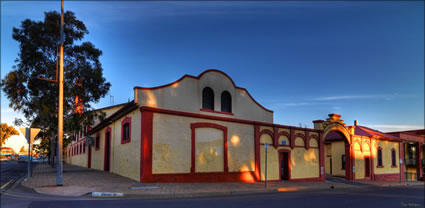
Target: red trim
[
  {"x": 108, "y": 130},
  {"x": 401, "y": 156},
  {"x": 193, "y": 127},
  {"x": 234, "y": 120},
  {"x": 419, "y": 158},
  {"x": 146, "y": 147},
  {"x": 387, "y": 177},
  {"x": 257, "y": 152},
  {"x": 306, "y": 179},
  {"x": 198, "y": 77},
  {"x": 322, "y": 157},
  {"x": 289, "y": 163},
  {"x": 126, "y": 120},
  {"x": 213, "y": 111},
  {"x": 245, "y": 176},
  {"x": 318, "y": 121},
  {"x": 334, "y": 115}
]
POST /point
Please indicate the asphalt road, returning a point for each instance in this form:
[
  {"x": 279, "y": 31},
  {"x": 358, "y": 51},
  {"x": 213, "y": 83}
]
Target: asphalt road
[
  {"x": 359, "y": 197},
  {"x": 11, "y": 171}
]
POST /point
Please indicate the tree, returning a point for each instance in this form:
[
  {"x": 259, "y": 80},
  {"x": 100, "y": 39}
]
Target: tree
[
  {"x": 37, "y": 99},
  {"x": 6, "y": 132}
]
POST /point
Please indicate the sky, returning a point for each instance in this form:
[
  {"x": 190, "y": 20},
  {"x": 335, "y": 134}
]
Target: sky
[{"x": 303, "y": 60}]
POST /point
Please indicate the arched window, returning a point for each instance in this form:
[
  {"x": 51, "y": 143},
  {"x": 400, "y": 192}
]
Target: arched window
[
  {"x": 208, "y": 98},
  {"x": 393, "y": 158},
  {"x": 226, "y": 102},
  {"x": 380, "y": 157}
]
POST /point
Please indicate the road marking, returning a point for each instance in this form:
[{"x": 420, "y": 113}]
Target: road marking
[
  {"x": 107, "y": 194},
  {"x": 58, "y": 197},
  {"x": 5, "y": 185}
]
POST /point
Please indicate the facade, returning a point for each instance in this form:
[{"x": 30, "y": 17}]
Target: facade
[
  {"x": 206, "y": 129},
  {"x": 414, "y": 153},
  {"x": 360, "y": 153}
]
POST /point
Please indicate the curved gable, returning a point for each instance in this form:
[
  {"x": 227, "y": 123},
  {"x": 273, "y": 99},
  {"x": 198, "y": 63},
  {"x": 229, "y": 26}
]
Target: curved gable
[{"x": 185, "y": 94}]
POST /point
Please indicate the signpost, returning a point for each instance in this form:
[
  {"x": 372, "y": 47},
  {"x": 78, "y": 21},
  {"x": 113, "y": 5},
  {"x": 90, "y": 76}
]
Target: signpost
[
  {"x": 29, "y": 134},
  {"x": 266, "y": 146}
]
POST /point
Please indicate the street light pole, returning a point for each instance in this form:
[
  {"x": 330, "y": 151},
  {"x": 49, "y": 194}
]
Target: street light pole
[{"x": 60, "y": 110}]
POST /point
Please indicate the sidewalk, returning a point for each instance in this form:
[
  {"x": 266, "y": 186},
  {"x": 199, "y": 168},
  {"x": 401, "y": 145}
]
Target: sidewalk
[{"x": 78, "y": 181}]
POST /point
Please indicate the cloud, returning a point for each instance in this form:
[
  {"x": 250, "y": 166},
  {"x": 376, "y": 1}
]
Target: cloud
[
  {"x": 391, "y": 128},
  {"x": 362, "y": 97}
]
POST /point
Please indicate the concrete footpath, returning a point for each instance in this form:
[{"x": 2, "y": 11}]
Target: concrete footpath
[{"x": 79, "y": 181}]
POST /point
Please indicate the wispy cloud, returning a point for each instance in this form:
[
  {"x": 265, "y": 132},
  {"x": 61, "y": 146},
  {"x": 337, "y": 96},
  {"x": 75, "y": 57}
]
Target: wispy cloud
[
  {"x": 362, "y": 97},
  {"x": 390, "y": 127}
]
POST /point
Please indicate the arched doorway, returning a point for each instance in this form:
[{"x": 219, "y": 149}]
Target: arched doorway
[{"x": 338, "y": 153}]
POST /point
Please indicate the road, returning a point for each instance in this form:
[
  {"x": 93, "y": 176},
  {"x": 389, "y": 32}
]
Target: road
[
  {"x": 11, "y": 171},
  {"x": 358, "y": 197},
  {"x": 362, "y": 196}
]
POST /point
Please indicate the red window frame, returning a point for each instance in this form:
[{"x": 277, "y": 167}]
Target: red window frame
[{"x": 126, "y": 120}]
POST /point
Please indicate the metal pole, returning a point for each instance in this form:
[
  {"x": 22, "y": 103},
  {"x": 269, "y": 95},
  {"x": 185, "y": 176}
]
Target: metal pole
[
  {"x": 28, "y": 137},
  {"x": 60, "y": 110},
  {"x": 265, "y": 181}
]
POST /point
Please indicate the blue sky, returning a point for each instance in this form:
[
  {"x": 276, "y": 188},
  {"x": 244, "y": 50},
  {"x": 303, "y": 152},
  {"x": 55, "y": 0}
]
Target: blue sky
[{"x": 303, "y": 60}]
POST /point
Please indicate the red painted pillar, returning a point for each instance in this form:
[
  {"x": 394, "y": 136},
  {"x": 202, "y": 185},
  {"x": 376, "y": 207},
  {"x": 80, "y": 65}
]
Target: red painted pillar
[
  {"x": 146, "y": 146},
  {"x": 419, "y": 160},
  {"x": 322, "y": 157},
  {"x": 257, "y": 152},
  {"x": 401, "y": 157},
  {"x": 348, "y": 167}
]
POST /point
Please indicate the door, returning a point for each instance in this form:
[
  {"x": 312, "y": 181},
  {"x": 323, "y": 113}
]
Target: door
[
  {"x": 89, "y": 158},
  {"x": 284, "y": 166},
  {"x": 330, "y": 165},
  {"x": 107, "y": 151},
  {"x": 367, "y": 167}
]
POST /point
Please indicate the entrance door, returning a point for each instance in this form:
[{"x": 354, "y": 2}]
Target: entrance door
[
  {"x": 89, "y": 158},
  {"x": 107, "y": 151},
  {"x": 330, "y": 164},
  {"x": 284, "y": 166},
  {"x": 367, "y": 167}
]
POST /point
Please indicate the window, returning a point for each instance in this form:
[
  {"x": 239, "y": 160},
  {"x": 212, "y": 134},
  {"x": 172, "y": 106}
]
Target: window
[
  {"x": 97, "y": 142},
  {"x": 226, "y": 102},
  {"x": 393, "y": 158},
  {"x": 342, "y": 161},
  {"x": 84, "y": 147},
  {"x": 208, "y": 98},
  {"x": 380, "y": 157},
  {"x": 126, "y": 130}
]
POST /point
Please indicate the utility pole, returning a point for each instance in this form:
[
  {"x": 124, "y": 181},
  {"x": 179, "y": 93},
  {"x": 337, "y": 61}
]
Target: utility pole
[{"x": 60, "y": 110}]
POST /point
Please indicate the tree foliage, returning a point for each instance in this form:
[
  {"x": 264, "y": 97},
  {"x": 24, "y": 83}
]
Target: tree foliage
[
  {"x": 83, "y": 73},
  {"x": 6, "y": 132}
]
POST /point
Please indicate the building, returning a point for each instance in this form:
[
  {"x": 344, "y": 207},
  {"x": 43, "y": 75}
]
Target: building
[
  {"x": 414, "y": 153},
  {"x": 360, "y": 153},
  {"x": 206, "y": 129}
]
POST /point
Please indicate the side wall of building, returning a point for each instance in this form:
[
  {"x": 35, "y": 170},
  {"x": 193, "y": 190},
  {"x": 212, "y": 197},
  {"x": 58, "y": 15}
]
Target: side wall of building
[{"x": 172, "y": 145}]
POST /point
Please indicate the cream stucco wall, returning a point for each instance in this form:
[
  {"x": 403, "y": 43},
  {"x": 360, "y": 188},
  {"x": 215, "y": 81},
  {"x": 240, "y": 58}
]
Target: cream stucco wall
[
  {"x": 305, "y": 163},
  {"x": 209, "y": 150},
  {"x": 359, "y": 163},
  {"x": 338, "y": 149},
  {"x": 125, "y": 158},
  {"x": 186, "y": 95},
  {"x": 172, "y": 144},
  {"x": 386, "y": 156}
]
